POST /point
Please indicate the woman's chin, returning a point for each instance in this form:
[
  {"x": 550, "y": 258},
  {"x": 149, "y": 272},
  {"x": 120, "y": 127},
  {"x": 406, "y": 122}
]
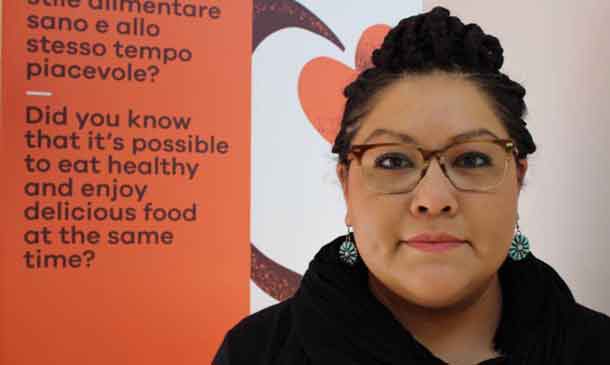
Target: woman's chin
[
  {"x": 436, "y": 300},
  {"x": 435, "y": 291}
]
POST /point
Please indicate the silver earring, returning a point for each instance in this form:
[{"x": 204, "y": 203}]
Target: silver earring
[
  {"x": 519, "y": 247},
  {"x": 348, "y": 253}
]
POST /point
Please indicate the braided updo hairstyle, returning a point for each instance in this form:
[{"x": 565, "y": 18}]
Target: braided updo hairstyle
[{"x": 436, "y": 41}]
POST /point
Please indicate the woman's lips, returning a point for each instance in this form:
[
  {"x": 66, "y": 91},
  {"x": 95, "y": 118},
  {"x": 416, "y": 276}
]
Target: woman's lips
[
  {"x": 434, "y": 246},
  {"x": 434, "y": 242}
]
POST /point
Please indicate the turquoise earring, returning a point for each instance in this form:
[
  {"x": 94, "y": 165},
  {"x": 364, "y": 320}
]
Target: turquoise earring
[
  {"x": 348, "y": 254},
  {"x": 519, "y": 247}
]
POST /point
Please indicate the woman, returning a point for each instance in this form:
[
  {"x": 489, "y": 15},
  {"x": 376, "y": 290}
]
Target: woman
[{"x": 434, "y": 269}]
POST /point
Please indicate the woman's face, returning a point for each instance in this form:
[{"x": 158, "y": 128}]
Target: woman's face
[{"x": 431, "y": 109}]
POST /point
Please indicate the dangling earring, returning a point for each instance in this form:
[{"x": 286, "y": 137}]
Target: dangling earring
[
  {"x": 348, "y": 254},
  {"x": 520, "y": 246}
]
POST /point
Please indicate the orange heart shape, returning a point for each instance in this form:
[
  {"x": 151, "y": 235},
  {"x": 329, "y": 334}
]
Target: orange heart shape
[{"x": 323, "y": 79}]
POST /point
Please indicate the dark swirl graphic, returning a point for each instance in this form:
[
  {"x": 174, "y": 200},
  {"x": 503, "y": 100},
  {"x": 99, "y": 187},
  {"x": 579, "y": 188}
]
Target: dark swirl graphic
[
  {"x": 273, "y": 278},
  {"x": 270, "y": 16}
]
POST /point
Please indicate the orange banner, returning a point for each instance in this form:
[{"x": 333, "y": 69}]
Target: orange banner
[{"x": 126, "y": 151}]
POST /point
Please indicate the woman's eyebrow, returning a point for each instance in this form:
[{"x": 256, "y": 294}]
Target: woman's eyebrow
[
  {"x": 408, "y": 139},
  {"x": 381, "y": 131},
  {"x": 473, "y": 134}
]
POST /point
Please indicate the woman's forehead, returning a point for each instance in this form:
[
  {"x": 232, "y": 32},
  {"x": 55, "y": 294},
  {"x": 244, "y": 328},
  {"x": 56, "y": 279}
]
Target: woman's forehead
[{"x": 432, "y": 109}]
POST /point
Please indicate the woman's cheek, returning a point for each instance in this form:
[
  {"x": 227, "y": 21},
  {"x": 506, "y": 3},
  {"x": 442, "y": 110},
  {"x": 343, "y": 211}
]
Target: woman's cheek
[
  {"x": 384, "y": 218},
  {"x": 491, "y": 224}
]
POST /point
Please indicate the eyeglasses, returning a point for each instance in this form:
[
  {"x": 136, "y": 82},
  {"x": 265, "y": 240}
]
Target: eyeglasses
[{"x": 394, "y": 168}]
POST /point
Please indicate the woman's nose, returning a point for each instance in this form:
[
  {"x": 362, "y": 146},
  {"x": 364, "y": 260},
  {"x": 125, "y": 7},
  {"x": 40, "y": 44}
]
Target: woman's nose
[{"x": 434, "y": 194}]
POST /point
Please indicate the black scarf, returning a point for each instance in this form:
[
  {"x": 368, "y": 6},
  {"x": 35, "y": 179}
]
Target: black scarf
[{"x": 337, "y": 320}]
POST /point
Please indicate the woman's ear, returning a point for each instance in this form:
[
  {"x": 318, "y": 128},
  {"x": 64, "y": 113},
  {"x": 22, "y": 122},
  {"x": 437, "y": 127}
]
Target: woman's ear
[
  {"x": 342, "y": 175},
  {"x": 342, "y": 172},
  {"x": 521, "y": 171}
]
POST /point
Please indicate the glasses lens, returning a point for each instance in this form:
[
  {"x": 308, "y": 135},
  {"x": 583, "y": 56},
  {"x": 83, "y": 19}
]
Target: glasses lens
[
  {"x": 476, "y": 166},
  {"x": 392, "y": 169}
]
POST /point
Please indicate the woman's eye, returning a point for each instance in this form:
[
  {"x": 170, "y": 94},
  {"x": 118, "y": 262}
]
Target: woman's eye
[
  {"x": 393, "y": 162},
  {"x": 472, "y": 160}
]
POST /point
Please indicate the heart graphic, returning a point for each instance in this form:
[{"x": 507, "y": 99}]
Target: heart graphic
[{"x": 323, "y": 79}]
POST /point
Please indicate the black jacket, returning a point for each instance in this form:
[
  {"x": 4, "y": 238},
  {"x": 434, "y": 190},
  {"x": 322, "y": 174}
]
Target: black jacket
[{"x": 334, "y": 319}]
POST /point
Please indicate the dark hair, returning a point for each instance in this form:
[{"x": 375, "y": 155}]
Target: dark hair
[{"x": 436, "y": 41}]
